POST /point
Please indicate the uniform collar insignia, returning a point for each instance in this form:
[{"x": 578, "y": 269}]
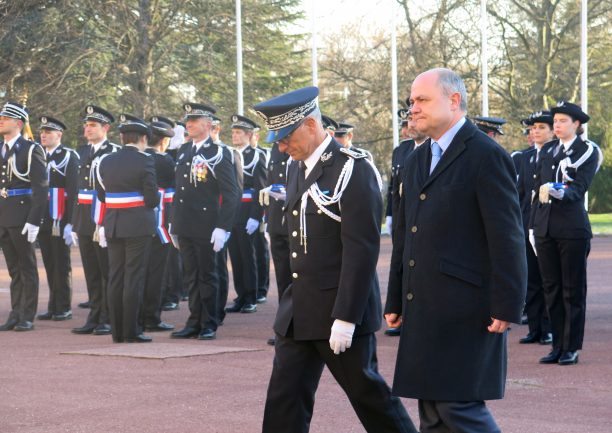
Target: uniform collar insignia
[{"x": 326, "y": 156}]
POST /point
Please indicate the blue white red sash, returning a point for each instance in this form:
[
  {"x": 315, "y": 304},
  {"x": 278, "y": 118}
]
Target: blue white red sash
[
  {"x": 98, "y": 209},
  {"x": 168, "y": 194},
  {"x": 123, "y": 200},
  {"x": 57, "y": 207},
  {"x": 164, "y": 237},
  {"x": 85, "y": 196},
  {"x": 247, "y": 195}
]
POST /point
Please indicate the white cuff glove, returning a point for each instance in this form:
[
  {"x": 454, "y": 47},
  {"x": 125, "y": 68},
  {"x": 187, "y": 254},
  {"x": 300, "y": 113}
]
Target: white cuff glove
[
  {"x": 252, "y": 225},
  {"x": 102, "y": 237},
  {"x": 31, "y": 231},
  {"x": 75, "y": 238},
  {"x": 218, "y": 238},
  {"x": 68, "y": 234},
  {"x": 556, "y": 193},
  {"x": 532, "y": 241},
  {"x": 388, "y": 224},
  {"x": 341, "y": 336}
]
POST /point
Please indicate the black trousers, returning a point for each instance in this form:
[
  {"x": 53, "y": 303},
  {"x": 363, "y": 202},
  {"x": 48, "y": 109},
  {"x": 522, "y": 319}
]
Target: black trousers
[
  {"x": 173, "y": 277},
  {"x": 535, "y": 304},
  {"x": 21, "y": 263},
  {"x": 456, "y": 417},
  {"x": 95, "y": 266},
  {"x": 563, "y": 266},
  {"x": 200, "y": 265},
  {"x": 262, "y": 259},
  {"x": 150, "y": 313},
  {"x": 223, "y": 283},
  {"x": 127, "y": 258},
  {"x": 56, "y": 257},
  {"x": 279, "y": 246},
  {"x": 242, "y": 252},
  {"x": 295, "y": 376}
]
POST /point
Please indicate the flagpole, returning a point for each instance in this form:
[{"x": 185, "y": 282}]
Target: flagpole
[
  {"x": 584, "y": 73},
  {"x": 394, "y": 91},
  {"x": 239, "y": 89},
  {"x": 313, "y": 24},
  {"x": 484, "y": 57}
]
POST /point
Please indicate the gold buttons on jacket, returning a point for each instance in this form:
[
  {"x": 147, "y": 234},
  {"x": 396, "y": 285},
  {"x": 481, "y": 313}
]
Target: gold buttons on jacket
[
  {"x": 423, "y": 196},
  {"x": 295, "y": 213},
  {"x": 411, "y": 263},
  {"x": 294, "y": 234},
  {"x": 410, "y": 296},
  {"x": 414, "y": 229},
  {"x": 294, "y": 275},
  {"x": 294, "y": 255}
]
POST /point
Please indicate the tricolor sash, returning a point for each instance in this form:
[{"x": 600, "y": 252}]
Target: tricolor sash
[
  {"x": 247, "y": 195},
  {"x": 57, "y": 207},
  {"x": 85, "y": 196},
  {"x": 168, "y": 194},
  {"x": 164, "y": 237},
  {"x": 123, "y": 200}
]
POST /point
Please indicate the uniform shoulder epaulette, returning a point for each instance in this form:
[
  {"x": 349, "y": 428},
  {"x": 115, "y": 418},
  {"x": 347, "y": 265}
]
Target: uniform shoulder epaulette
[
  {"x": 354, "y": 153},
  {"x": 516, "y": 153},
  {"x": 116, "y": 146}
]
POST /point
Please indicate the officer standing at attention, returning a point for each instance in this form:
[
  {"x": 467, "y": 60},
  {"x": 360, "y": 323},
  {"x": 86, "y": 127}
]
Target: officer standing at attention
[
  {"x": 201, "y": 220},
  {"x": 55, "y": 235},
  {"x": 127, "y": 185},
  {"x": 344, "y": 136},
  {"x": 541, "y": 126},
  {"x": 87, "y": 217},
  {"x": 562, "y": 231},
  {"x": 150, "y": 313},
  {"x": 23, "y": 196},
  {"x": 329, "y": 314},
  {"x": 492, "y": 126},
  {"x": 329, "y": 124},
  {"x": 262, "y": 250},
  {"x": 242, "y": 242}
]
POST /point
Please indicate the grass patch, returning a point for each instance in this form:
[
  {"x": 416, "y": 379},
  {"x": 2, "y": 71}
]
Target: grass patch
[{"x": 601, "y": 223}]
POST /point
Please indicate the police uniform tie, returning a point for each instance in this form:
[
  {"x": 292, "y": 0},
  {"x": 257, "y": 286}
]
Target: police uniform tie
[
  {"x": 301, "y": 174},
  {"x": 436, "y": 154},
  {"x": 4, "y": 150}
]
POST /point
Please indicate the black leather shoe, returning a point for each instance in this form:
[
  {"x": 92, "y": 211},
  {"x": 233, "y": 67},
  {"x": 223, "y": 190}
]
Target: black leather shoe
[
  {"x": 186, "y": 332},
  {"x": 83, "y": 330},
  {"x": 66, "y": 315},
  {"x": 207, "y": 334},
  {"x": 530, "y": 338},
  {"x": 566, "y": 358},
  {"x": 86, "y": 304},
  {"x": 160, "y": 327},
  {"x": 271, "y": 341},
  {"x": 393, "y": 332},
  {"x": 140, "y": 338},
  {"x": 262, "y": 299},
  {"x": 170, "y": 306},
  {"x": 9, "y": 325},
  {"x": 44, "y": 316},
  {"x": 546, "y": 338},
  {"x": 552, "y": 357},
  {"x": 23, "y": 326},
  {"x": 248, "y": 308},
  {"x": 102, "y": 330},
  {"x": 234, "y": 308}
]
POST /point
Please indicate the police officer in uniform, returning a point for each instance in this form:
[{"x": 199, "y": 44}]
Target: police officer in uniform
[
  {"x": 242, "y": 241},
  {"x": 23, "y": 196},
  {"x": 150, "y": 315},
  {"x": 492, "y": 126},
  {"x": 541, "y": 123},
  {"x": 201, "y": 220},
  {"x": 329, "y": 314},
  {"x": 344, "y": 136},
  {"x": 329, "y": 124},
  {"x": 55, "y": 235},
  {"x": 560, "y": 225},
  {"x": 87, "y": 215},
  {"x": 127, "y": 186}
]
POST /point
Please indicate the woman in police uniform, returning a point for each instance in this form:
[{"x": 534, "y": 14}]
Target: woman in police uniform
[{"x": 560, "y": 225}]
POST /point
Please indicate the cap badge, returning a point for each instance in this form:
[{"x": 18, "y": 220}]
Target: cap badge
[{"x": 90, "y": 110}]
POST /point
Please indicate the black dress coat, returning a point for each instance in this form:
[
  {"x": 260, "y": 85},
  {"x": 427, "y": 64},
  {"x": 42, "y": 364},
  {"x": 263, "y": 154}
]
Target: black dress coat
[
  {"x": 67, "y": 179},
  {"x": 336, "y": 278},
  {"x": 463, "y": 260}
]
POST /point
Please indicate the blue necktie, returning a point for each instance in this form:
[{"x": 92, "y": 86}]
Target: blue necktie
[{"x": 436, "y": 154}]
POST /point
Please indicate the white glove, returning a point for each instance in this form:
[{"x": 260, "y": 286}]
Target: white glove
[
  {"x": 218, "y": 238},
  {"x": 556, "y": 193},
  {"x": 252, "y": 225},
  {"x": 75, "y": 238},
  {"x": 68, "y": 234},
  {"x": 31, "y": 231},
  {"x": 388, "y": 223},
  {"x": 264, "y": 196},
  {"x": 341, "y": 336},
  {"x": 102, "y": 237},
  {"x": 175, "y": 241},
  {"x": 532, "y": 241}
]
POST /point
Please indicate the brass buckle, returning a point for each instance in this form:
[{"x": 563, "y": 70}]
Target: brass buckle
[{"x": 3, "y": 193}]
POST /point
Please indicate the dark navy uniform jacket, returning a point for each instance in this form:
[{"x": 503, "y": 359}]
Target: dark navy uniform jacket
[
  {"x": 62, "y": 177},
  {"x": 17, "y": 210},
  {"x": 336, "y": 278},
  {"x": 567, "y": 218},
  {"x": 277, "y": 174},
  {"x": 198, "y": 208},
  {"x": 128, "y": 171},
  {"x": 254, "y": 178},
  {"x": 164, "y": 171}
]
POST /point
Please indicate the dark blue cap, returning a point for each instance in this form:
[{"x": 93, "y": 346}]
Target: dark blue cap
[
  {"x": 329, "y": 123},
  {"x": 193, "y": 110},
  {"x": 131, "y": 123},
  {"x": 48, "y": 122},
  {"x": 490, "y": 124},
  {"x": 98, "y": 114},
  {"x": 344, "y": 128},
  {"x": 571, "y": 110},
  {"x": 162, "y": 119},
  {"x": 15, "y": 110},
  {"x": 540, "y": 117},
  {"x": 284, "y": 113},
  {"x": 243, "y": 122},
  {"x": 162, "y": 126}
]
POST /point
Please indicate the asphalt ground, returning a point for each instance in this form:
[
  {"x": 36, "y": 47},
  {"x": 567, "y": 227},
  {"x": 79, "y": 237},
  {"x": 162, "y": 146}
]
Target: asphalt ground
[{"x": 220, "y": 386}]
